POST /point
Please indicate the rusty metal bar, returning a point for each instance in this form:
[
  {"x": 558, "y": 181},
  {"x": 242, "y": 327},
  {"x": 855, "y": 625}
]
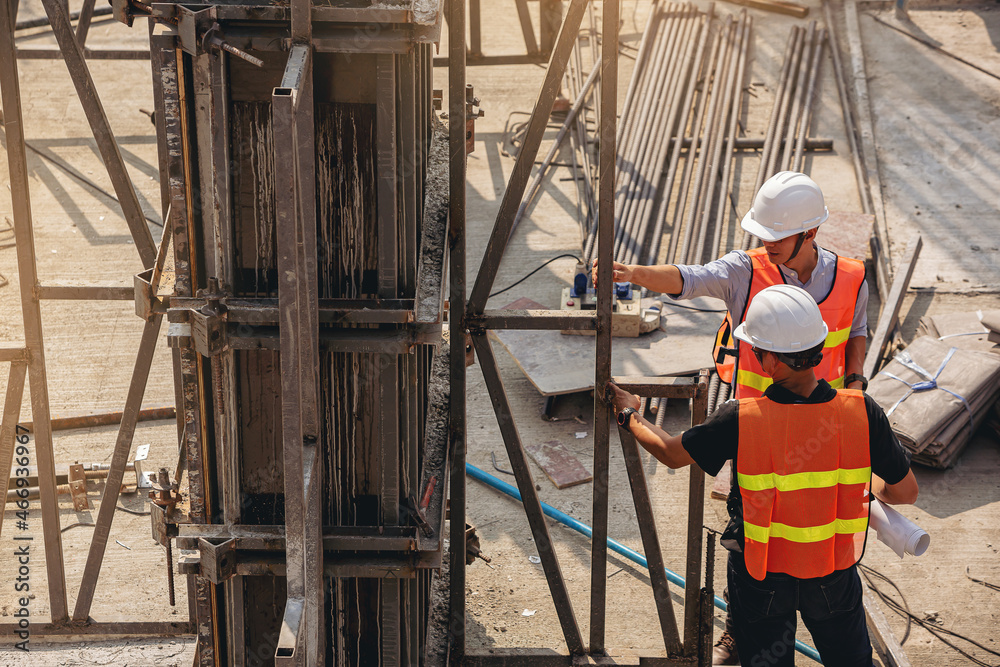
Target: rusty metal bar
[
  {"x": 89, "y": 54},
  {"x": 105, "y": 629},
  {"x": 11, "y": 413},
  {"x": 650, "y": 542},
  {"x": 527, "y": 30},
  {"x": 73, "y": 54},
  {"x": 535, "y": 319},
  {"x": 475, "y": 29},
  {"x": 16, "y": 353},
  {"x": 529, "y": 496},
  {"x": 119, "y": 457},
  {"x": 31, "y": 314},
  {"x": 696, "y": 518},
  {"x": 602, "y": 369},
  {"x": 100, "y": 419},
  {"x": 83, "y": 24},
  {"x": 457, "y": 162},
  {"x": 525, "y": 156},
  {"x": 86, "y": 292}
]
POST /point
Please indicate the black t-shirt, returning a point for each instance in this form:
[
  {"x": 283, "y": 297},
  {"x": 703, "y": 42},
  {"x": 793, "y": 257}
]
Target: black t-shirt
[{"x": 717, "y": 440}]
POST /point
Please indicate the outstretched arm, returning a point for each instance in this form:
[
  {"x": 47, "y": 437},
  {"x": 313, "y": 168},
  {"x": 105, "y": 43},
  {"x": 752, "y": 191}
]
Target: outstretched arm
[{"x": 662, "y": 278}]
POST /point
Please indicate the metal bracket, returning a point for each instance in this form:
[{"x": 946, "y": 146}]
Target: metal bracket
[
  {"x": 191, "y": 24},
  {"x": 78, "y": 487},
  {"x": 218, "y": 558},
  {"x": 189, "y": 562},
  {"x": 143, "y": 480},
  {"x": 203, "y": 328}
]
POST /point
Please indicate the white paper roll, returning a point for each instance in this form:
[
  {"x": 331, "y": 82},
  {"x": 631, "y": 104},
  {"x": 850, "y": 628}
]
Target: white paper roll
[{"x": 896, "y": 531}]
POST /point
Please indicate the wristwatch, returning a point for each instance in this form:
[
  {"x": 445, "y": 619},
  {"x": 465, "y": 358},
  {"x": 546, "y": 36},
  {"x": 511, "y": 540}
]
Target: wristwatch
[
  {"x": 625, "y": 416},
  {"x": 856, "y": 377}
]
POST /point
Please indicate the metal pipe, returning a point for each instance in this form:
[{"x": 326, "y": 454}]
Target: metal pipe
[
  {"x": 800, "y": 92},
  {"x": 772, "y": 125},
  {"x": 656, "y": 141},
  {"x": 711, "y": 167},
  {"x": 807, "y": 112},
  {"x": 693, "y": 158},
  {"x": 536, "y": 183},
  {"x": 774, "y": 163},
  {"x": 619, "y": 548},
  {"x": 845, "y": 106},
  {"x": 724, "y": 194},
  {"x": 652, "y": 255},
  {"x": 660, "y": 140},
  {"x": 636, "y": 141}
]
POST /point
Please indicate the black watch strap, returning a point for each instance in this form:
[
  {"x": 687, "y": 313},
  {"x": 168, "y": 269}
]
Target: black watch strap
[
  {"x": 856, "y": 377},
  {"x": 625, "y": 416}
]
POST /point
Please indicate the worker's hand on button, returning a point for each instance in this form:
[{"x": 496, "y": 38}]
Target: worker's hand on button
[
  {"x": 620, "y": 273},
  {"x": 619, "y": 398}
]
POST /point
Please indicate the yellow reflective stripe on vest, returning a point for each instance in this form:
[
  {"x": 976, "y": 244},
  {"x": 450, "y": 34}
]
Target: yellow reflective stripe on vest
[
  {"x": 804, "y": 480},
  {"x": 837, "y": 383},
  {"x": 753, "y": 380},
  {"x": 838, "y": 337},
  {"x": 805, "y": 535}
]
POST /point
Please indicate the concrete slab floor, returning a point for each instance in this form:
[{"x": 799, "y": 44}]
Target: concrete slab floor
[{"x": 958, "y": 507}]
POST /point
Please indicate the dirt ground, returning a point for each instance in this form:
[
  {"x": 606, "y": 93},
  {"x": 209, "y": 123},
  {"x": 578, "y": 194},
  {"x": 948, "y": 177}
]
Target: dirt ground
[{"x": 934, "y": 126}]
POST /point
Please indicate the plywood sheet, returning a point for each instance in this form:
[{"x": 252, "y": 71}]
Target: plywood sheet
[{"x": 558, "y": 364}]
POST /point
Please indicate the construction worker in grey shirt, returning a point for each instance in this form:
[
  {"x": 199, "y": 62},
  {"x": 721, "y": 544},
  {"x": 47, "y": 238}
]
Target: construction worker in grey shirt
[{"x": 787, "y": 211}]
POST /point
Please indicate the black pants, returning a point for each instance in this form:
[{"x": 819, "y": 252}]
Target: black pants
[{"x": 764, "y": 617}]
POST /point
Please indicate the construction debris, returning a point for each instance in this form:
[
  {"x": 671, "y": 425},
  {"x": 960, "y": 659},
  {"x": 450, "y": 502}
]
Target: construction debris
[{"x": 936, "y": 396}]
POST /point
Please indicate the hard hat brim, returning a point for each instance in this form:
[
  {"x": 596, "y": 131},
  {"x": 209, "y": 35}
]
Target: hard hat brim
[
  {"x": 740, "y": 333},
  {"x": 751, "y": 226}
]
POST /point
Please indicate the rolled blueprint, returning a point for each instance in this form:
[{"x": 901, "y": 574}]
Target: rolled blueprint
[{"x": 896, "y": 531}]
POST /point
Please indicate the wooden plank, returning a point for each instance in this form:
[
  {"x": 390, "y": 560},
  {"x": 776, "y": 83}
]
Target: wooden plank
[
  {"x": 890, "y": 309},
  {"x": 883, "y": 639},
  {"x": 560, "y": 466}
]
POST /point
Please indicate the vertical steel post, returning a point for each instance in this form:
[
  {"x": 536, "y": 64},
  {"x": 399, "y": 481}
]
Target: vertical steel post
[
  {"x": 696, "y": 518},
  {"x": 385, "y": 129},
  {"x": 602, "y": 371},
  {"x": 8, "y": 425},
  {"x": 457, "y": 162},
  {"x": 31, "y": 313},
  {"x": 475, "y": 29}
]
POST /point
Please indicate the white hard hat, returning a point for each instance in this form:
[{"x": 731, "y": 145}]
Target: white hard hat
[
  {"x": 788, "y": 203},
  {"x": 783, "y": 318}
]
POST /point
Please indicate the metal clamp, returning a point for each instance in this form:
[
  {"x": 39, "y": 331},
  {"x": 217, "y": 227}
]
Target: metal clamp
[
  {"x": 202, "y": 328},
  {"x": 472, "y": 112}
]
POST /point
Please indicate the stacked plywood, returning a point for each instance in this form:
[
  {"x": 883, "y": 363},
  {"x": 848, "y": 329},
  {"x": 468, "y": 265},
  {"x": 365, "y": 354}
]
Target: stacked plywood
[
  {"x": 976, "y": 330},
  {"x": 936, "y": 395}
]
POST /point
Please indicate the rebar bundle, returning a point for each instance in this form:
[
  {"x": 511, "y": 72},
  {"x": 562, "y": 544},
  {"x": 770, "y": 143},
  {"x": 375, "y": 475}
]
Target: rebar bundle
[{"x": 677, "y": 135}]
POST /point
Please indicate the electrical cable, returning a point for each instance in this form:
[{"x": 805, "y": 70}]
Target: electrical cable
[
  {"x": 91, "y": 525},
  {"x": 903, "y": 610},
  {"x": 536, "y": 271}
]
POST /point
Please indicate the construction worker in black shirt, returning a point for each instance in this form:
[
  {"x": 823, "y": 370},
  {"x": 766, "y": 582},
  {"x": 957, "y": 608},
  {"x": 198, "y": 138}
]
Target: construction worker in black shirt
[{"x": 807, "y": 457}]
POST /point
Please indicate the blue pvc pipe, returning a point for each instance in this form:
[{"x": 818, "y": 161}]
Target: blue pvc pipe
[{"x": 617, "y": 547}]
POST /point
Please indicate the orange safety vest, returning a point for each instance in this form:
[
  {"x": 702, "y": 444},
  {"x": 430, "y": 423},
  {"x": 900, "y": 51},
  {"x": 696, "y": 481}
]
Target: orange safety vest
[
  {"x": 837, "y": 308},
  {"x": 804, "y": 472}
]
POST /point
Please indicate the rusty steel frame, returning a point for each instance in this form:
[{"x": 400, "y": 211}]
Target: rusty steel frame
[
  {"x": 474, "y": 318},
  {"x": 31, "y": 295}
]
